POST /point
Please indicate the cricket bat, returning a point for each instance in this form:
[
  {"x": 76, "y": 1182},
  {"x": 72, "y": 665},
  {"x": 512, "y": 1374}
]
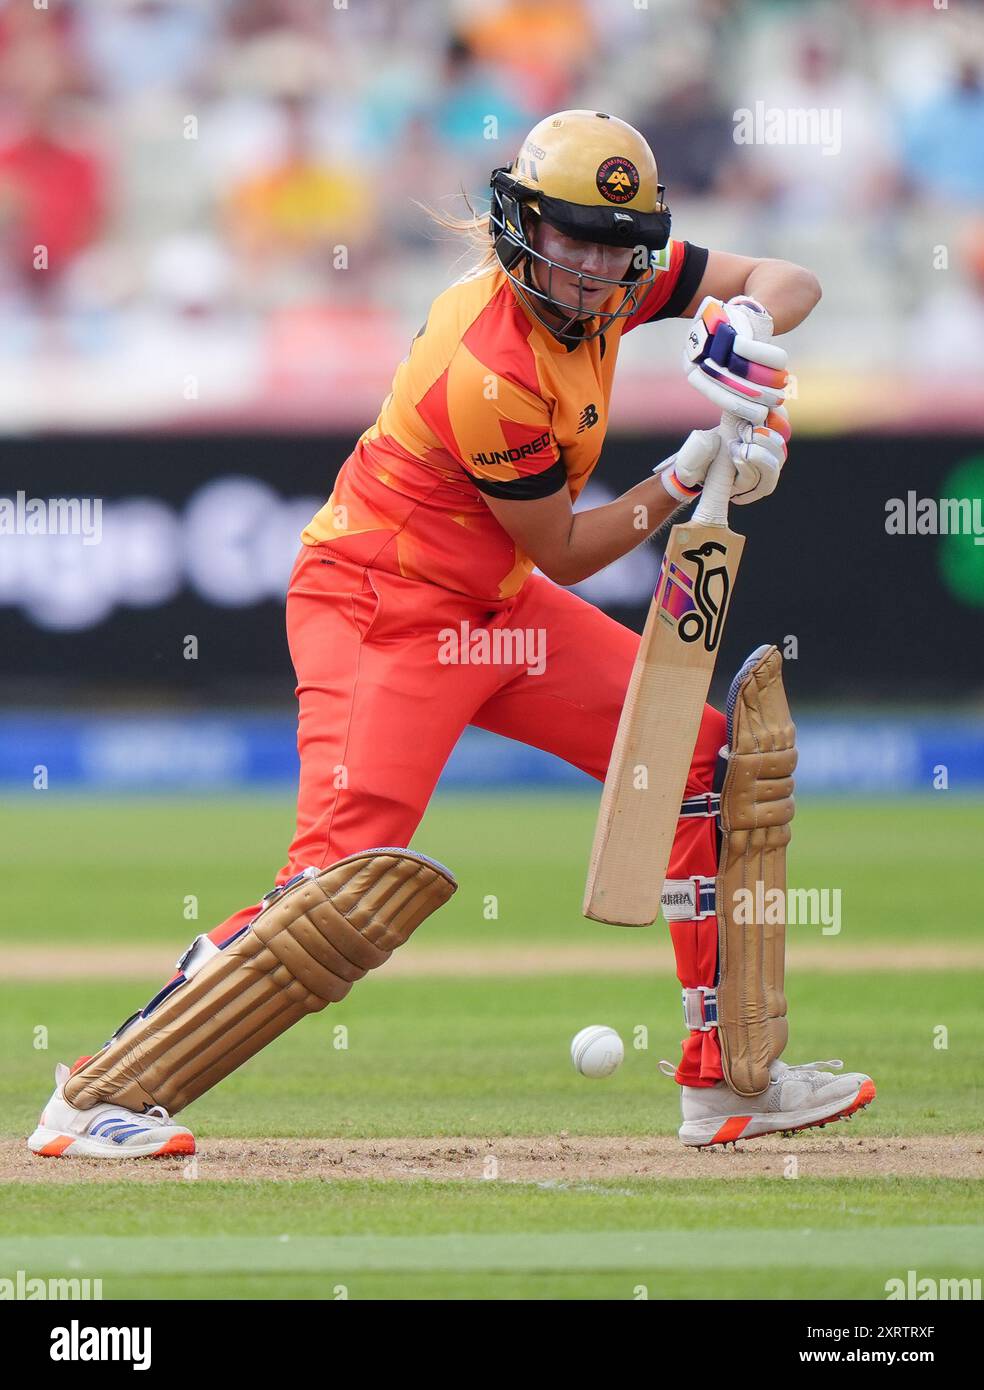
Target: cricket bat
[{"x": 657, "y": 731}]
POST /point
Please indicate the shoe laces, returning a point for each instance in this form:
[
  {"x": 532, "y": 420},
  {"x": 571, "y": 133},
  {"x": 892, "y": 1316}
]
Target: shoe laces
[
  {"x": 835, "y": 1063},
  {"x": 158, "y": 1112}
]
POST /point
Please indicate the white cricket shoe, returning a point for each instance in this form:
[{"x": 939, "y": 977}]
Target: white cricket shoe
[
  {"x": 105, "y": 1131},
  {"x": 797, "y": 1097}
]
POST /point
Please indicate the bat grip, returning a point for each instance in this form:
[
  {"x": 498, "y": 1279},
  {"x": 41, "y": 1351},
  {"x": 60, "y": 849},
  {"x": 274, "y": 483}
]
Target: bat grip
[{"x": 712, "y": 509}]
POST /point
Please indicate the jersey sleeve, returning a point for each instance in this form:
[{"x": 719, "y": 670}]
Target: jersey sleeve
[
  {"x": 497, "y": 430},
  {"x": 679, "y": 270}
]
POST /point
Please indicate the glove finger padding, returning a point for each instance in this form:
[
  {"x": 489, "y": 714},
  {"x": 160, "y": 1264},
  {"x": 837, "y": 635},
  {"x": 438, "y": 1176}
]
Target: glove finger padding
[
  {"x": 758, "y": 461},
  {"x": 683, "y": 473},
  {"x": 741, "y": 374}
]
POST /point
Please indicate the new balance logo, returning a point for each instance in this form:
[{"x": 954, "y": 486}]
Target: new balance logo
[{"x": 589, "y": 417}]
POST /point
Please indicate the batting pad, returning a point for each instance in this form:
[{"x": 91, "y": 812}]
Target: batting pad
[
  {"x": 756, "y": 808},
  {"x": 305, "y": 949}
]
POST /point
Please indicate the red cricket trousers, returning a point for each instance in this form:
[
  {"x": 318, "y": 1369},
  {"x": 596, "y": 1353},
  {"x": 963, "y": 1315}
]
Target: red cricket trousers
[{"x": 381, "y": 710}]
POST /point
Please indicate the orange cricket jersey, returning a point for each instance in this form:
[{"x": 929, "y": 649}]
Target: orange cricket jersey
[{"x": 487, "y": 401}]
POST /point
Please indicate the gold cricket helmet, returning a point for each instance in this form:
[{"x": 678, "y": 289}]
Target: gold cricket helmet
[{"x": 593, "y": 177}]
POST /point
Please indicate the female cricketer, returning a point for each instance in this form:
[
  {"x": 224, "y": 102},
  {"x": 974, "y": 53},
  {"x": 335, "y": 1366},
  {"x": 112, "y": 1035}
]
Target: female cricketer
[{"x": 439, "y": 520}]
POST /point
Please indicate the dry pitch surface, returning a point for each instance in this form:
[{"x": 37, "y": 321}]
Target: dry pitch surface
[
  {"x": 834, "y": 1152},
  {"x": 552, "y": 1160}
]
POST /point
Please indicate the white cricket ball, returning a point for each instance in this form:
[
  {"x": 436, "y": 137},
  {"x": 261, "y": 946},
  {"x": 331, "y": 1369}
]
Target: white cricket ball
[{"x": 596, "y": 1051}]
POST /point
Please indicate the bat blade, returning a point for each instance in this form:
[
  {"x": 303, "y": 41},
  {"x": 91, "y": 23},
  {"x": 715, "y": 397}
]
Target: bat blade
[{"x": 657, "y": 731}]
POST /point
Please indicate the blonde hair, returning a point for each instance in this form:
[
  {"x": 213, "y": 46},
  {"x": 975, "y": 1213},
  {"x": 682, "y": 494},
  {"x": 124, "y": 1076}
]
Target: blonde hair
[{"x": 474, "y": 230}]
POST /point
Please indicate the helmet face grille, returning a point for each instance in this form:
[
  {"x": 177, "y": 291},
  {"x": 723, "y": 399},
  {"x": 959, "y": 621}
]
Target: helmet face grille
[{"x": 647, "y": 232}]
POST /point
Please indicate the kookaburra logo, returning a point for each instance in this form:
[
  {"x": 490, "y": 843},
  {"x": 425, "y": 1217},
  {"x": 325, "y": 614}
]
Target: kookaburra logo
[{"x": 710, "y": 593}]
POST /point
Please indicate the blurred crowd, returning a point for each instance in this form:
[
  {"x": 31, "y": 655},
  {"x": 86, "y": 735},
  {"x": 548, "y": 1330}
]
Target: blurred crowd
[{"x": 223, "y": 197}]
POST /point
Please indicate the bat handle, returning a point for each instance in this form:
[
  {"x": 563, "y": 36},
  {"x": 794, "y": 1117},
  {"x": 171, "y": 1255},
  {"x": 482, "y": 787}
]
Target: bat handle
[{"x": 712, "y": 509}]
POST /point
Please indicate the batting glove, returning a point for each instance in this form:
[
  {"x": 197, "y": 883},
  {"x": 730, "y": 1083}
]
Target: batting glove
[
  {"x": 758, "y": 456},
  {"x": 683, "y": 473},
  {"x": 726, "y": 362}
]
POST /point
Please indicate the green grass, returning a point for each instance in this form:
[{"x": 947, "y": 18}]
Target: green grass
[
  {"x": 424, "y": 1207},
  {"x": 108, "y": 870},
  {"x": 772, "y": 1238},
  {"x": 639, "y": 1283},
  {"x": 489, "y": 1057},
  {"x": 807, "y": 1285},
  {"x": 446, "y": 1057}
]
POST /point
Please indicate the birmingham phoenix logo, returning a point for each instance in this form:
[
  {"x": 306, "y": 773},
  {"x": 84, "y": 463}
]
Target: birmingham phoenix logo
[{"x": 617, "y": 179}]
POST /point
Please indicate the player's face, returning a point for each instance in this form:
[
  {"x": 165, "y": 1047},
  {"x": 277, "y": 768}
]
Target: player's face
[{"x": 589, "y": 258}]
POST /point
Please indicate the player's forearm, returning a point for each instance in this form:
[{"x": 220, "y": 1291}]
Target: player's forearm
[
  {"x": 789, "y": 292},
  {"x": 604, "y": 534}
]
